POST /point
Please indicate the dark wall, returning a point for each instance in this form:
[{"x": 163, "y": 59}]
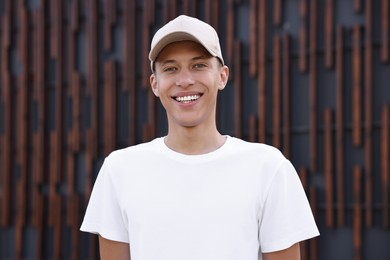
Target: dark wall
[{"x": 310, "y": 77}]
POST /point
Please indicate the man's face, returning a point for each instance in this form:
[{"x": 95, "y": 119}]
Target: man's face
[{"x": 187, "y": 79}]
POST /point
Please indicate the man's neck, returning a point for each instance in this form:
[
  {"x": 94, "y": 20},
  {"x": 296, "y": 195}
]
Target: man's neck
[{"x": 193, "y": 141}]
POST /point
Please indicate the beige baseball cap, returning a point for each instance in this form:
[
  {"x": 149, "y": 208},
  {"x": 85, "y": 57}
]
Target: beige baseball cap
[{"x": 184, "y": 28}]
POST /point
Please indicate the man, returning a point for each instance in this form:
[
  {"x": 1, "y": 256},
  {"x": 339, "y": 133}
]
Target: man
[{"x": 195, "y": 193}]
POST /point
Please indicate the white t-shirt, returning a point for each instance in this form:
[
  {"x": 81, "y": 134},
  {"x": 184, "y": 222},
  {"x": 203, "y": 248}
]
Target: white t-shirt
[{"x": 230, "y": 204}]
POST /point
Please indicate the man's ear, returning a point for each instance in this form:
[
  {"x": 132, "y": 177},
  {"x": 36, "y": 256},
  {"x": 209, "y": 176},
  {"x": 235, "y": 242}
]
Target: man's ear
[
  {"x": 153, "y": 84},
  {"x": 224, "y": 77}
]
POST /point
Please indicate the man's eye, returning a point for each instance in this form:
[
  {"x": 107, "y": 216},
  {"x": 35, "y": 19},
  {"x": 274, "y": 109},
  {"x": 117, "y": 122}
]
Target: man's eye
[
  {"x": 169, "y": 69},
  {"x": 199, "y": 66}
]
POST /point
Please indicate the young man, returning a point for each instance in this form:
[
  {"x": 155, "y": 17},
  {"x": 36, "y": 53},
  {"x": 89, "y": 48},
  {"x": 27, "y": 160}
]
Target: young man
[{"x": 196, "y": 194}]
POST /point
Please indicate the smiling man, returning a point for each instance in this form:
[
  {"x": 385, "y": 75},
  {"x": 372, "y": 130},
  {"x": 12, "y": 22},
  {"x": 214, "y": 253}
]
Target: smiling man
[{"x": 196, "y": 194}]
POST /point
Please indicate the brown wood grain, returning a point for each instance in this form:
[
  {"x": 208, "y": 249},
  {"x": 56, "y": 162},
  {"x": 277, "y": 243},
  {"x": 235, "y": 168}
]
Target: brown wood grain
[
  {"x": 230, "y": 28},
  {"x": 252, "y": 128},
  {"x": 129, "y": 68},
  {"x": 277, "y": 92},
  {"x": 278, "y": 9},
  {"x": 357, "y": 213},
  {"x": 39, "y": 136},
  {"x": 385, "y": 38},
  {"x": 340, "y": 169},
  {"x": 238, "y": 88},
  {"x": 313, "y": 84},
  {"x": 357, "y": 61},
  {"x": 368, "y": 115},
  {"x": 148, "y": 14},
  {"x": 328, "y": 168},
  {"x": 287, "y": 95},
  {"x": 304, "y": 177},
  {"x": 110, "y": 108},
  {"x": 303, "y": 36},
  {"x": 109, "y": 22},
  {"x": 385, "y": 165},
  {"x": 358, "y": 5},
  {"x": 329, "y": 33},
  {"x": 253, "y": 38},
  {"x": 262, "y": 74}
]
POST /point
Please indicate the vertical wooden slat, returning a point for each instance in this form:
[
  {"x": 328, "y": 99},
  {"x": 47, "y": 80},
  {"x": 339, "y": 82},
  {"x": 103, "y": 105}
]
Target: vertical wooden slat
[
  {"x": 304, "y": 245},
  {"x": 129, "y": 68},
  {"x": 278, "y": 7},
  {"x": 148, "y": 15},
  {"x": 357, "y": 86},
  {"x": 385, "y": 38},
  {"x": 110, "y": 109},
  {"x": 23, "y": 127},
  {"x": 314, "y": 207},
  {"x": 303, "y": 31},
  {"x": 368, "y": 106},
  {"x": 230, "y": 28},
  {"x": 328, "y": 144},
  {"x": 39, "y": 137},
  {"x": 109, "y": 21},
  {"x": 340, "y": 125},
  {"x": 287, "y": 96},
  {"x": 6, "y": 94},
  {"x": 385, "y": 165},
  {"x": 277, "y": 89},
  {"x": 253, "y": 38},
  {"x": 238, "y": 88},
  {"x": 313, "y": 102},
  {"x": 329, "y": 33},
  {"x": 92, "y": 132},
  {"x": 57, "y": 137},
  {"x": 252, "y": 128},
  {"x": 358, "y": 5},
  {"x": 262, "y": 74},
  {"x": 357, "y": 213},
  {"x": 92, "y": 92}
]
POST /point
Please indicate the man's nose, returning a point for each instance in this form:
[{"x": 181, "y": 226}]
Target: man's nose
[{"x": 184, "y": 78}]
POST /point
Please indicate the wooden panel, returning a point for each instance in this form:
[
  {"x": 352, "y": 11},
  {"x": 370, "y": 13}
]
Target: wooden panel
[
  {"x": 92, "y": 92},
  {"x": 304, "y": 176},
  {"x": 148, "y": 20},
  {"x": 7, "y": 100},
  {"x": 262, "y": 75},
  {"x": 313, "y": 78},
  {"x": 277, "y": 95},
  {"x": 357, "y": 213},
  {"x": 253, "y": 38},
  {"x": 109, "y": 22},
  {"x": 368, "y": 106},
  {"x": 252, "y": 128},
  {"x": 328, "y": 165},
  {"x": 23, "y": 127},
  {"x": 329, "y": 33},
  {"x": 340, "y": 126},
  {"x": 287, "y": 96},
  {"x": 303, "y": 35},
  {"x": 230, "y": 28},
  {"x": 129, "y": 68},
  {"x": 385, "y": 38},
  {"x": 40, "y": 151},
  {"x": 385, "y": 165},
  {"x": 278, "y": 7},
  {"x": 110, "y": 108},
  {"x": 357, "y": 85},
  {"x": 238, "y": 88},
  {"x": 358, "y": 5}
]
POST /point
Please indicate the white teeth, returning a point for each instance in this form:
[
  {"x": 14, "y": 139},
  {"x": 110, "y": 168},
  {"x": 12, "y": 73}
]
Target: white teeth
[{"x": 187, "y": 99}]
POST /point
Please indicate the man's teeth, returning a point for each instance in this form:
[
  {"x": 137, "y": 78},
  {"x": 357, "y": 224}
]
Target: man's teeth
[{"x": 187, "y": 99}]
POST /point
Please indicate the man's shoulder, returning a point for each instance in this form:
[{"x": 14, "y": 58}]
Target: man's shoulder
[{"x": 135, "y": 150}]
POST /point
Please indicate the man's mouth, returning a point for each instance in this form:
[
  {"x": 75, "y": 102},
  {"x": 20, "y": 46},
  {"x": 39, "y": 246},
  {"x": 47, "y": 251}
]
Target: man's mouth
[{"x": 187, "y": 99}]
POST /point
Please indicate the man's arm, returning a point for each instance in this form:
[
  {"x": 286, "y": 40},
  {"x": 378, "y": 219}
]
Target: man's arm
[
  {"x": 291, "y": 253},
  {"x": 113, "y": 250}
]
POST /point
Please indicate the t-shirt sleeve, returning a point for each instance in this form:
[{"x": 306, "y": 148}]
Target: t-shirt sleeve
[
  {"x": 104, "y": 215},
  {"x": 286, "y": 216}
]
